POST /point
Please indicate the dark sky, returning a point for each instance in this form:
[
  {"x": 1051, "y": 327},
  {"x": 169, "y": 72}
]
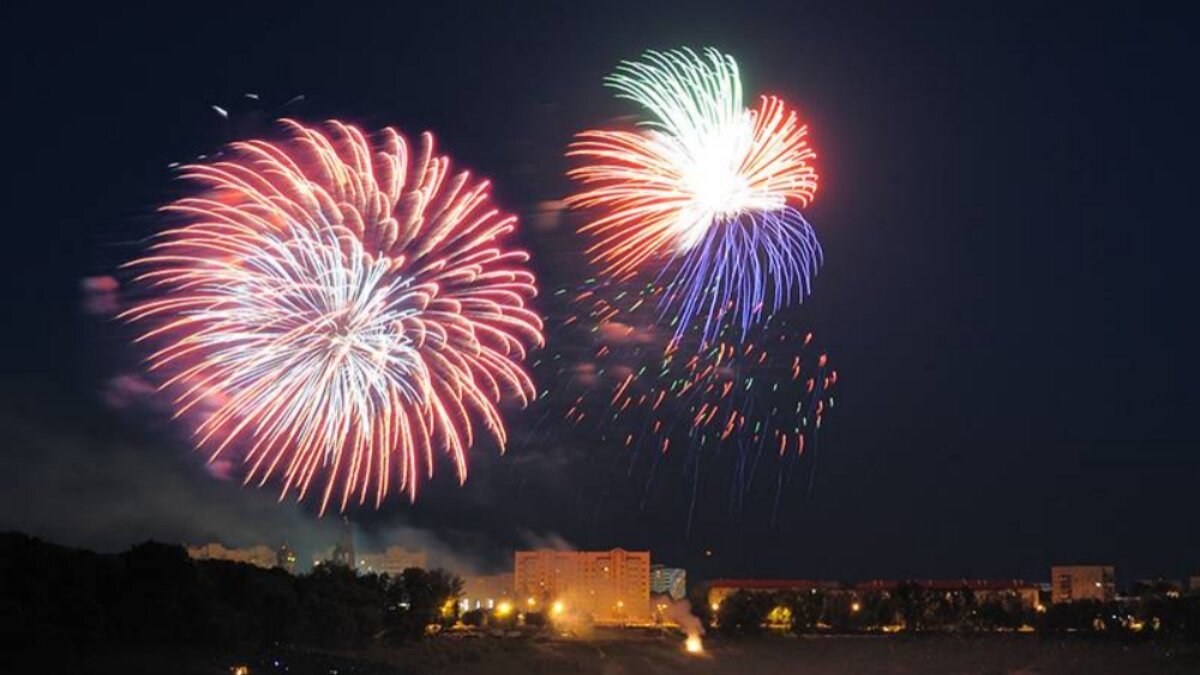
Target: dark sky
[{"x": 1007, "y": 211}]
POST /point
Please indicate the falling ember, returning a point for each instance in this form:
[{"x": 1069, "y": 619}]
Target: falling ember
[{"x": 762, "y": 396}]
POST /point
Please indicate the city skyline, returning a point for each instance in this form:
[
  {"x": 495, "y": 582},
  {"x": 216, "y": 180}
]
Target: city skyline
[
  {"x": 607, "y": 338},
  {"x": 1001, "y": 213}
]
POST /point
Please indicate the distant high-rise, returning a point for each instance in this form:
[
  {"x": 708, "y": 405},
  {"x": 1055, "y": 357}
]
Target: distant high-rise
[
  {"x": 285, "y": 558},
  {"x": 1069, "y": 583},
  {"x": 670, "y": 581},
  {"x": 612, "y": 586},
  {"x": 343, "y": 553}
]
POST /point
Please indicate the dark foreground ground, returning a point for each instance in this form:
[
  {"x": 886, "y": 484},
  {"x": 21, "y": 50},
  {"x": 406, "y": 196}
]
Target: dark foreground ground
[{"x": 631, "y": 654}]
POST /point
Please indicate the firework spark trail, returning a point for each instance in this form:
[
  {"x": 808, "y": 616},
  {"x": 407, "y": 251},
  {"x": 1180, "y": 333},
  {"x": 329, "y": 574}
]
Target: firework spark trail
[
  {"x": 759, "y": 402},
  {"x": 725, "y": 273},
  {"x": 339, "y": 310},
  {"x": 703, "y": 171}
]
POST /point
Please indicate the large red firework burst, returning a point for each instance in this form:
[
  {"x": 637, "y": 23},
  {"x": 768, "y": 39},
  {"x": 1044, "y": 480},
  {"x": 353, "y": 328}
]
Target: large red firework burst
[{"x": 338, "y": 309}]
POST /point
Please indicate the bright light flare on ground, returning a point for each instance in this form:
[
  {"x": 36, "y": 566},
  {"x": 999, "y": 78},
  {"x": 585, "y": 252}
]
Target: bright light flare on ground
[{"x": 693, "y": 645}]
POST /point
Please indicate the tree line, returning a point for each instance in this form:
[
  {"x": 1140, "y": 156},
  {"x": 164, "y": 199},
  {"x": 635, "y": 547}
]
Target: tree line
[{"x": 154, "y": 593}]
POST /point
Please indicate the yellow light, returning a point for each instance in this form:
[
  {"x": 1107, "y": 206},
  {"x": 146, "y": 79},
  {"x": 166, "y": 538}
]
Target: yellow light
[
  {"x": 855, "y": 607},
  {"x": 240, "y": 670},
  {"x": 620, "y": 604},
  {"x": 558, "y": 607},
  {"x": 716, "y": 606},
  {"x": 531, "y": 602},
  {"x": 693, "y": 644},
  {"x": 504, "y": 609},
  {"x": 780, "y": 616}
]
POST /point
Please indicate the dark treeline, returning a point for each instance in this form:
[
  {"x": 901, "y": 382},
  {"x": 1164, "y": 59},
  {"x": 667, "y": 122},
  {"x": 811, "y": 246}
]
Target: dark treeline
[
  {"x": 58, "y": 598},
  {"x": 913, "y": 608}
]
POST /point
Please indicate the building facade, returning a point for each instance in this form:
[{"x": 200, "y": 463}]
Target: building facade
[
  {"x": 261, "y": 556},
  {"x": 983, "y": 590},
  {"x": 670, "y": 581},
  {"x": 1069, "y": 583},
  {"x": 611, "y": 586},
  {"x": 285, "y": 558},
  {"x": 719, "y": 589},
  {"x": 486, "y": 591},
  {"x": 392, "y": 562}
]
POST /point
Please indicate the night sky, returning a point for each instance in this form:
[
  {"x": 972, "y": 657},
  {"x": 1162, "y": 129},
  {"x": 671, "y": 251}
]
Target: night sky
[{"x": 1007, "y": 212}]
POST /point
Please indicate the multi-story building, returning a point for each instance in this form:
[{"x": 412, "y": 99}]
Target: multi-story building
[
  {"x": 1069, "y": 583},
  {"x": 485, "y": 592},
  {"x": 670, "y": 581},
  {"x": 392, "y": 562},
  {"x": 1160, "y": 587},
  {"x": 983, "y": 590},
  {"x": 285, "y": 558},
  {"x": 261, "y": 556},
  {"x": 343, "y": 552},
  {"x": 612, "y": 586},
  {"x": 719, "y": 589}
]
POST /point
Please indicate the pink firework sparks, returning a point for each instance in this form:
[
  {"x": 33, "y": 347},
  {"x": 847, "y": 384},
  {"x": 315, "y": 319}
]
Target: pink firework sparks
[{"x": 338, "y": 310}]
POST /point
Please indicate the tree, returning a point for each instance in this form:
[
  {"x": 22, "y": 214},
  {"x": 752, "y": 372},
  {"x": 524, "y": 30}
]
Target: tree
[
  {"x": 418, "y": 598},
  {"x": 473, "y": 617},
  {"x": 340, "y": 608},
  {"x": 807, "y": 608},
  {"x": 160, "y": 581},
  {"x": 912, "y": 601},
  {"x": 701, "y": 609},
  {"x": 744, "y": 612}
]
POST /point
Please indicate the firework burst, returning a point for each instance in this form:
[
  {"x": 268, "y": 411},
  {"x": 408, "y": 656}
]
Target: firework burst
[
  {"x": 708, "y": 188},
  {"x": 339, "y": 311}
]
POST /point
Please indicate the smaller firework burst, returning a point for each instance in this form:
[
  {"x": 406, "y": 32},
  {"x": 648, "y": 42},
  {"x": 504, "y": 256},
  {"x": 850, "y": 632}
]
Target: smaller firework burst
[{"x": 705, "y": 198}]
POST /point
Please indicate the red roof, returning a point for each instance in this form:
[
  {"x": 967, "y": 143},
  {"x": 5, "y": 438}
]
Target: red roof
[
  {"x": 875, "y": 585},
  {"x": 772, "y": 584},
  {"x": 948, "y": 584}
]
